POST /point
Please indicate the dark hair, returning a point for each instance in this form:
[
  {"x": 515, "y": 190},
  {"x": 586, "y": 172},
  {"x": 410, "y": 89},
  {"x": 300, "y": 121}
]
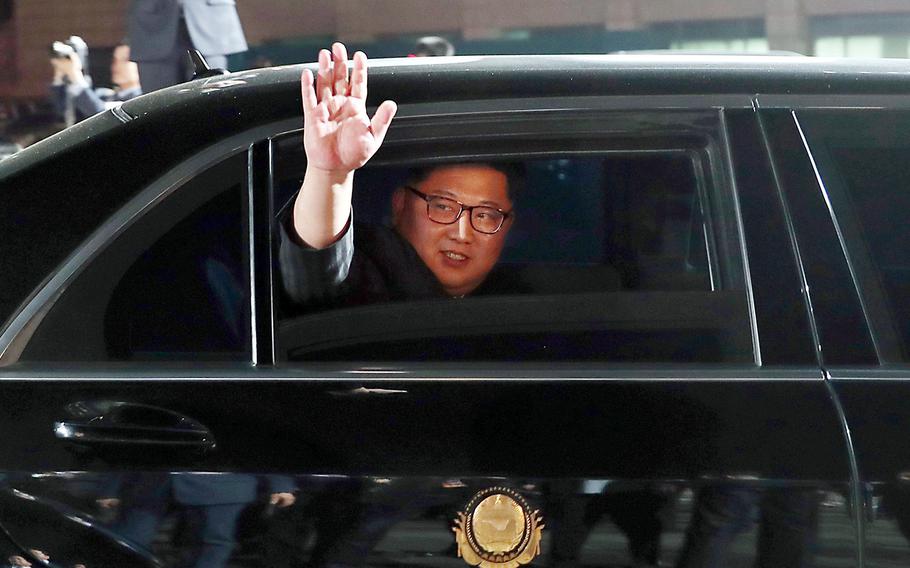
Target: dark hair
[{"x": 514, "y": 171}]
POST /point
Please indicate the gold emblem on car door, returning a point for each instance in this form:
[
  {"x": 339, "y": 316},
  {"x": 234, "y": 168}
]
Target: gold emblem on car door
[{"x": 498, "y": 530}]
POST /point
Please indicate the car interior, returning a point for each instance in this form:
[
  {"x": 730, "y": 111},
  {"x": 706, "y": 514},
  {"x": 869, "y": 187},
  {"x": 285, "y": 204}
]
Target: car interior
[{"x": 609, "y": 259}]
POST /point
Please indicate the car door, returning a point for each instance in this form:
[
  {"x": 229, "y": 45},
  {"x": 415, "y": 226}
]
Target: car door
[
  {"x": 853, "y": 160},
  {"x": 598, "y": 390},
  {"x": 640, "y": 383}
]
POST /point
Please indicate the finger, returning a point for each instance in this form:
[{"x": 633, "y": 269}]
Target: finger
[
  {"x": 359, "y": 76},
  {"x": 340, "y": 55},
  {"x": 273, "y": 500},
  {"x": 324, "y": 76},
  {"x": 307, "y": 93},
  {"x": 382, "y": 119}
]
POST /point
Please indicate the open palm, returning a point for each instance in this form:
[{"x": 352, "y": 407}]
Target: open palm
[{"x": 338, "y": 133}]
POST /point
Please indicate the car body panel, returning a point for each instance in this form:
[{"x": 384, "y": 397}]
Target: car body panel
[{"x": 383, "y": 457}]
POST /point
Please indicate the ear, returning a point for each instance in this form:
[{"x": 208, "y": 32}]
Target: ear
[{"x": 398, "y": 205}]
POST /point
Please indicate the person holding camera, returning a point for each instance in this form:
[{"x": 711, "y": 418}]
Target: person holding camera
[{"x": 71, "y": 89}]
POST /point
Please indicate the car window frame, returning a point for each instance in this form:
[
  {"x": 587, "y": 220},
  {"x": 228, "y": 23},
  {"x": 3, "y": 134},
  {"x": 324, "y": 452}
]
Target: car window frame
[
  {"x": 263, "y": 136},
  {"x": 419, "y": 115}
]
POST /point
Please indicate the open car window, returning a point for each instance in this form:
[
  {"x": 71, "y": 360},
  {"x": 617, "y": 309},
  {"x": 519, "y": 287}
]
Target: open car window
[{"x": 623, "y": 249}]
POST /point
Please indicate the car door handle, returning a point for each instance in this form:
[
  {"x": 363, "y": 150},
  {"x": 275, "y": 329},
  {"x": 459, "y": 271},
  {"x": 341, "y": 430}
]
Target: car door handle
[{"x": 112, "y": 422}]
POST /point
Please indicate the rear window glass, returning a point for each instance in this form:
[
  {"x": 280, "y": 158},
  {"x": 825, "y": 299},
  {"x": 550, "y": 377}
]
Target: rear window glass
[{"x": 173, "y": 286}]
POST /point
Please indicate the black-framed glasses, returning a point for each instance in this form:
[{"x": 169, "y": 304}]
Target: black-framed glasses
[{"x": 445, "y": 211}]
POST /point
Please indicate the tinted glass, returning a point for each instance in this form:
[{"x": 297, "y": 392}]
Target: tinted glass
[
  {"x": 173, "y": 286},
  {"x": 781, "y": 312},
  {"x": 614, "y": 255},
  {"x": 862, "y": 160}
]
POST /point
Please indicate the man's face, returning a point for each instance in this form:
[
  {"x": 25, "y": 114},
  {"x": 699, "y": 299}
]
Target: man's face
[
  {"x": 123, "y": 71},
  {"x": 459, "y": 256}
]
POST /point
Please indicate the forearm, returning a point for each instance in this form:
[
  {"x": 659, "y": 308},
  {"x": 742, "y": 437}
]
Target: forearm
[
  {"x": 323, "y": 206},
  {"x": 311, "y": 276},
  {"x": 88, "y": 103}
]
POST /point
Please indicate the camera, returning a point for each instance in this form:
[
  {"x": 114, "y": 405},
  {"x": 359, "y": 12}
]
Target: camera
[
  {"x": 65, "y": 49},
  {"x": 61, "y": 50}
]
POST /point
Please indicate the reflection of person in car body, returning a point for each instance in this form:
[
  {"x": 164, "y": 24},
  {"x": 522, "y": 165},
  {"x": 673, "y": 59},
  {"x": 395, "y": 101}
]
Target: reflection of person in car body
[{"x": 450, "y": 223}]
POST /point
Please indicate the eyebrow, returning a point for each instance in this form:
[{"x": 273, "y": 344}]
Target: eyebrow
[{"x": 450, "y": 195}]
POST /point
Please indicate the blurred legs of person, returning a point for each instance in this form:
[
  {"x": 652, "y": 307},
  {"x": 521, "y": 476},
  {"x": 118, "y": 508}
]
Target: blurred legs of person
[
  {"x": 213, "y": 528},
  {"x": 787, "y": 534}
]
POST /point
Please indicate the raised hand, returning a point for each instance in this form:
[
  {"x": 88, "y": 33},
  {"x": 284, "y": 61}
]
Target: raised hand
[{"x": 338, "y": 134}]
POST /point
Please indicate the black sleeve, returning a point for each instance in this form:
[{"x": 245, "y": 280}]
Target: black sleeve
[
  {"x": 57, "y": 94},
  {"x": 313, "y": 275},
  {"x": 88, "y": 103}
]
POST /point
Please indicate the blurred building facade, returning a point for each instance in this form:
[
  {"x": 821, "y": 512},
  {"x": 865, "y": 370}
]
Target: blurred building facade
[{"x": 289, "y": 31}]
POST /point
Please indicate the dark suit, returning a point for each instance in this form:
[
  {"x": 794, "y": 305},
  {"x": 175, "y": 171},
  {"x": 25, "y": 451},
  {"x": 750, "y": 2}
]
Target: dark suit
[
  {"x": 160, "y": 32},
  {"x": 367, "y": 264}
]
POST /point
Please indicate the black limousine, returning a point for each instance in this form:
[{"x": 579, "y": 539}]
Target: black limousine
[{"x": 693, "y": 350}]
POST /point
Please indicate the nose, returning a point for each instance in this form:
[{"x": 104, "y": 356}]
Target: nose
[{"x": 462, "y": 231}]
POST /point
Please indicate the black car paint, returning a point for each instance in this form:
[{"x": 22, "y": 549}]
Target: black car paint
[{"x": 567, "y": 422}]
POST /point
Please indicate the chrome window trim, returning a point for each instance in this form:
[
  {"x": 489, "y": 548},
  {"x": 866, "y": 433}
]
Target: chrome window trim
[
  {"x": 604, "y": 102},
  {"x": 791, "y": 231},
  {"x": 853, "y": 101},
  {"x": 251, "y": 250},
  {"x": 741, "y": 233},
  {"x": 358, "y": 374}
]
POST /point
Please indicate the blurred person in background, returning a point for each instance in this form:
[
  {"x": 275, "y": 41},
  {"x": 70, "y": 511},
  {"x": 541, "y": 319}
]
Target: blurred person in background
[
  {"x": 162, "y": 31},
  {"x": 16, "y": 561},
  {"x": 72, "y": 92},
  {"x": 433, "y": 46},
  {"x": 72, "y": 47}
]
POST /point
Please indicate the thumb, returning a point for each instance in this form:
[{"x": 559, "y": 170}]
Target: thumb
[{"x": 382, "y": 119}]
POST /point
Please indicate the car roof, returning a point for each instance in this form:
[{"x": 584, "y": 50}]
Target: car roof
[
  {"x": 409, "y": 80},
  {"x": 216, "y": 107}
]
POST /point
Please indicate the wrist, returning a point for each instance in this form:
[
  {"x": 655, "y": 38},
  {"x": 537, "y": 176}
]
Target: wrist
[
  {"x": 328, "y": 178},
  {"x": 77, "y": 78}
]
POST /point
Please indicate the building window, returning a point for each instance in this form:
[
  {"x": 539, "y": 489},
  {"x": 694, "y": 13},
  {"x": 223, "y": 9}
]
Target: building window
[
  {"x": 733, "y": 45},
  {"x": 862, "y": 46}
]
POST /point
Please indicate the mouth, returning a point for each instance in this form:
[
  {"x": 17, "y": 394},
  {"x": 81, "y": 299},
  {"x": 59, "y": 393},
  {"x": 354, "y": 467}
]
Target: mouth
[{"x": 454, "y": 256}]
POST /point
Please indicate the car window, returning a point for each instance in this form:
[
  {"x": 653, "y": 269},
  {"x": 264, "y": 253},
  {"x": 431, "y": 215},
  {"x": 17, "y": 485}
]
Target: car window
[
  {"x": 173, "y": 286},
  {"x": 620, "y": 251},
  {"x": 861, "y": 158}
]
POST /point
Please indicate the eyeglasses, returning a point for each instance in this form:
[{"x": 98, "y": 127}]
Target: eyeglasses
[{"x": 445, "y": 211}]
